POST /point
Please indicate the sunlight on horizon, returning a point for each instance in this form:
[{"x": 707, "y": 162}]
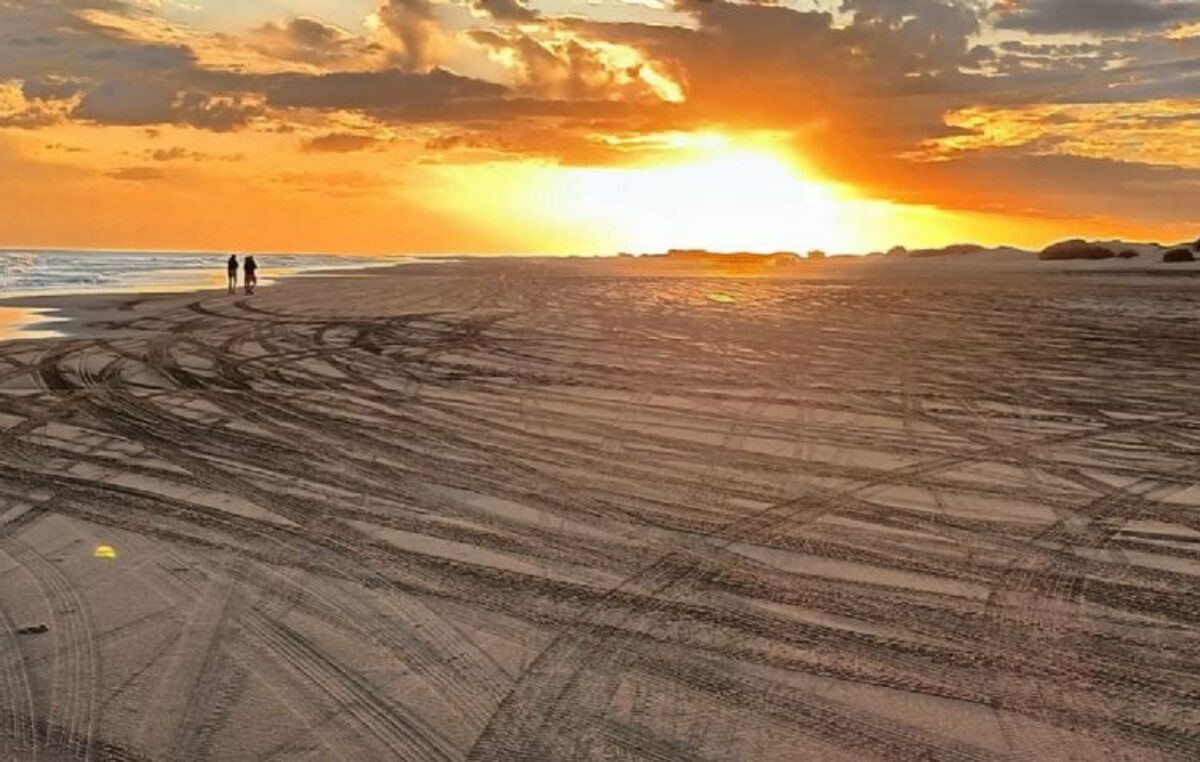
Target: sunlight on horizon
[
  {"x": 705, "y": 190},
  {"x": 740, "y": 194},
  {"x": 732, "y": 197}
]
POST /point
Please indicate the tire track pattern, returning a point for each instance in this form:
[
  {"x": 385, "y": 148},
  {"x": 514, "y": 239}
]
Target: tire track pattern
[{"x": 532, "y": 511}]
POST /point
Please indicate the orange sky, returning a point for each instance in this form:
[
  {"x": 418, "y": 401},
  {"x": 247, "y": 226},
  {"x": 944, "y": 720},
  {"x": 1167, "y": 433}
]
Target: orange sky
[{"x": 591, "y": 127}]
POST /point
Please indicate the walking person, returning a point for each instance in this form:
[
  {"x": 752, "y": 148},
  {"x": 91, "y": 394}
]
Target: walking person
[
  {"x": 251, "y": 279},
  {"x": 232, "y": 267}
]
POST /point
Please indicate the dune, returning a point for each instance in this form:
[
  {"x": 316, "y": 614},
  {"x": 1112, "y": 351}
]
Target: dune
[{"x": 519, "y": 509}]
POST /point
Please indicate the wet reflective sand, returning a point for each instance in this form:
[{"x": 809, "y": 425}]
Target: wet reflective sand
[{"x": 26, "y": 323}]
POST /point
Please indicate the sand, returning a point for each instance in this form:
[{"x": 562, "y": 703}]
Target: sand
[{"x": 530, "y": 510}]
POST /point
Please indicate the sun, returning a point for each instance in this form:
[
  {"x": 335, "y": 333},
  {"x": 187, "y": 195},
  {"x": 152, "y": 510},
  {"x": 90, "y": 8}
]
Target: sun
[
  {"x": 724, "y": 196},
  {"x": 702, "y": 190}
]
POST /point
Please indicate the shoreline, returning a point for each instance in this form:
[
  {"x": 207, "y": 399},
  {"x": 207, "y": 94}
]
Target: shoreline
[
  {"x": 72, "y": 313},
  {"x": 36, "y": 315}
]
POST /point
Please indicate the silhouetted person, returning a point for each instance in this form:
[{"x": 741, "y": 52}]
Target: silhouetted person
[
  {"x": 251, "y": 279},
  {"x": 232, "y": 267}
]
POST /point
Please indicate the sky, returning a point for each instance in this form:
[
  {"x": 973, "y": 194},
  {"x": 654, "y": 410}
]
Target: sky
[{"x": 596, "y": 126}]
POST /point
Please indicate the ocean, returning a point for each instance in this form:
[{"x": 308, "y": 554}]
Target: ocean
[
  {"x": 65, "y": 271},
  {"x": 30, "y": 273}
]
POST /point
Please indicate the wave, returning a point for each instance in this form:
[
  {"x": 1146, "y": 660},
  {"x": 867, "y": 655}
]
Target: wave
[{"x": 64, "y": 270}]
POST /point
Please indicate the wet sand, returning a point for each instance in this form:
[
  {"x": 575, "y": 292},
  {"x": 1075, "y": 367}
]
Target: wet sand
[{"x": 531, "y": 510}]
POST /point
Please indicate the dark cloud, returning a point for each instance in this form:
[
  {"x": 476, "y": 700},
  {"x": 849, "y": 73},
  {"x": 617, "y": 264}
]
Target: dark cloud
[
  {"x": 175, "y": 153},
  {"x": 51, "y": 88},
  {"x": 119, "y": 79},
  {"x": 138, "y": 174},
  {"x": 506, "y": 10},
  {"x": 128, "y": 102},
  {"x": 43, "y": 40},
  {"x": 389, "y": 90},
  {"x": 179, "y": 153},
  {"x": 215, "y": 113},
  {"x": 1097, "y": 16},
  {"x": 341, "y": 142},
  {"x": 144, "y": 102},
  {"x": 1058, "y": 185},
  {"x": 772, "y": 67},
  {"x": 65, "y": 148}
]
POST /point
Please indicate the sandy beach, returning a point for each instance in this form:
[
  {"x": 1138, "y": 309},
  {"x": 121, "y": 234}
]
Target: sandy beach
[{"x": 517, "y": 509}]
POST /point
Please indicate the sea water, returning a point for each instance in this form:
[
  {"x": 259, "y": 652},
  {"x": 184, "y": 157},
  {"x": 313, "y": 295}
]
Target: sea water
[
  {"x": 64, "y": 271},
  {"x": 30, "y": 273}
]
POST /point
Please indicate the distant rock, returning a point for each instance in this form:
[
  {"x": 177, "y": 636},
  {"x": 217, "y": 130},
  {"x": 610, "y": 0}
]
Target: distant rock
[
  {"x": 1179, "y": 255},
  {"x": 1075, "y": 249},
  {"x": 1128, "y": 254},
  {"x": 816, "y": 254},
  {"x": 955, "y": 250},
  {"x": 702, "y": 256}
]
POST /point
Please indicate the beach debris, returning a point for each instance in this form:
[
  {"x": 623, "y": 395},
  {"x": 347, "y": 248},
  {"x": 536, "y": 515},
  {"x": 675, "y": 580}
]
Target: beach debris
[
  {"x": 106, "y": 552},
  {"x": 33, "y": 629}
]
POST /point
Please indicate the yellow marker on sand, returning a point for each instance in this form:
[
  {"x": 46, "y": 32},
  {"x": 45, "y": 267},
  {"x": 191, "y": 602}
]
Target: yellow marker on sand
[{"x": 105, "y": 551}]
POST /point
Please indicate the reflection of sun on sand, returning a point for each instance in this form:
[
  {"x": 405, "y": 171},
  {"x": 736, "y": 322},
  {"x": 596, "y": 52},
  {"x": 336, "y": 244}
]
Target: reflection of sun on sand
[
  {"x": 23, "y": 322},
  {"x": 521, "y": 509}
]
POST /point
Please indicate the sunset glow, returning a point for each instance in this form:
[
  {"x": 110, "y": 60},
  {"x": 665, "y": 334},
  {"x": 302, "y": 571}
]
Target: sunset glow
[
  {"x": 730, "y": 199},
  {"x": 507, "y": 126}
]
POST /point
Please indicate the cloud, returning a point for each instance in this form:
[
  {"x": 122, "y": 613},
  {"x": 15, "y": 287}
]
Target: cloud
[
  {"x": 1165, "y": 133},
  {"x": 341, "y": 142},
  {"x": 179, "y": 153},
  {"x": 51, "y": 88},
  {"x": 138, "y": 174},
  {"x": 171, "y": 154},
  {"x": 392, "y": 90},
  {"x": 145, "y": 102},
  {"x": 344, "y": 184},
  {"x": 416, "y": 27},
  {"x": 41, "y": 40},
  {"x": 571, "y": 67},
  {"x": 215, "y": 113},
  {"x": 32, "y": 118},
  {"x": 1110, "y": 17},
  {"x": 312, "y": 41},
  {"x": 19, "y": 111},
  {"x": 127, "y": 102},
  {"x": 506, "y": 10}
]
